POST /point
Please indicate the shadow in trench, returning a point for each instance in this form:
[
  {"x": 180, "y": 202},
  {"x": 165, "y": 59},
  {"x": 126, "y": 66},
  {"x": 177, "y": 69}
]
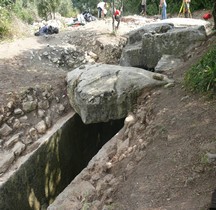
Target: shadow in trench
[{"x": 55, "y": 164}]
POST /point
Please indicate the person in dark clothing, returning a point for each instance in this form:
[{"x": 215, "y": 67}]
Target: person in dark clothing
[{"x": 143, "y": 7}]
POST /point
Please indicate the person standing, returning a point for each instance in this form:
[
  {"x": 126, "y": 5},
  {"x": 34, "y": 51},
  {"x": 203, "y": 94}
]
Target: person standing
[
  {"x": 101, "y": 8},
  {"x": 163, "y": 5},
  {"x": 143, "y": 7}
]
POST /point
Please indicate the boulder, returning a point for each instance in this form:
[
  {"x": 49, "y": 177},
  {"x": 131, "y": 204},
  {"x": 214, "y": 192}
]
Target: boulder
[
  {"x": 167, "y": 63},
  {"x": 102, "y": 92},
  {"x": 185, "y": 22},
  {"x": 148, "y": 44}
]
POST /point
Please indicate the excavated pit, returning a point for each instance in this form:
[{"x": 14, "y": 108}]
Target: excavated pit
[{"x": 55, "y": 164}]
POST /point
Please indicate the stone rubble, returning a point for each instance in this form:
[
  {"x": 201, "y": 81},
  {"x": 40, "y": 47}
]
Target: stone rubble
[{"x": 25, "y": 118}]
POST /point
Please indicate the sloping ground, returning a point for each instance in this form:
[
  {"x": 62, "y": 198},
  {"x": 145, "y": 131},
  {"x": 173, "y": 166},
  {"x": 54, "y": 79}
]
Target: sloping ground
[
  {"x": 174, "y": 173},
  {"x": 161, "y": 163},
  {"x": 158, "y": 160}
]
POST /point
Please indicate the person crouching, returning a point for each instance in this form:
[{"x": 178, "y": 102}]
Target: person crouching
[{"x": 117, "y": 17}]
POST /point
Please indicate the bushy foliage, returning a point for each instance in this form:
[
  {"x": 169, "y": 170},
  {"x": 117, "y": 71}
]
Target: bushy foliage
[
  {"x": 25, "y": 12},
  {"x": 4, "y": 22},
  {"x": 202, "y": 76},
  {"x": 66, "y": 9}
]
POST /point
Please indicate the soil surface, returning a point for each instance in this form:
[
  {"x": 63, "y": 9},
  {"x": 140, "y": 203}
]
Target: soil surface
[{"x": 174, "y": 172}]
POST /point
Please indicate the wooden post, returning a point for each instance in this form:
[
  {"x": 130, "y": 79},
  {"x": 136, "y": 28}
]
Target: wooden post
[{"x": 113, "y": 18}]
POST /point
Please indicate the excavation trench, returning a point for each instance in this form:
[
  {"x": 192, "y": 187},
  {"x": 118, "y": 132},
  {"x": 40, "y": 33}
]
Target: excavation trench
[{"x": 55, "y": 164}]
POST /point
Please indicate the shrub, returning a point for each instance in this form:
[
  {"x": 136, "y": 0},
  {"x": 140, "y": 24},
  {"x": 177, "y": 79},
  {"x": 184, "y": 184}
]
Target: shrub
[
  {"x": 4, "y": 22},
  {"x": 202, "y": 76}
]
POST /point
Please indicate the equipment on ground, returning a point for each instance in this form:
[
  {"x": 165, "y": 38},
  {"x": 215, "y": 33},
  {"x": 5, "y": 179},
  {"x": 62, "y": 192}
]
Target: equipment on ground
[{"x": 185, "y": 9}]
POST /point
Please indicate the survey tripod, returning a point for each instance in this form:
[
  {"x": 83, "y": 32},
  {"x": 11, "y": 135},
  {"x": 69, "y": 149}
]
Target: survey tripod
[{"x": 185, "y": 9}]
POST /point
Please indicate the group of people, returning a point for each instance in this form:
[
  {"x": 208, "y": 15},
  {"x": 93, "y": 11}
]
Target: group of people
[
  {"x": 102, "y": 11},
  {"x": 163, "y": 5}
]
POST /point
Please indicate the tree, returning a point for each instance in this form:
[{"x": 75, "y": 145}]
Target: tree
[{"x": 47, "y": 8}]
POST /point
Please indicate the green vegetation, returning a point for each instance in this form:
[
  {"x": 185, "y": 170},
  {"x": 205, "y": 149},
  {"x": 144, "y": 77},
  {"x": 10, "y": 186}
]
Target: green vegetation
[
  {"x": 201, "y": 77},
  {"x": 30, "y": 10},
  {"x": 5, "y": 20}
]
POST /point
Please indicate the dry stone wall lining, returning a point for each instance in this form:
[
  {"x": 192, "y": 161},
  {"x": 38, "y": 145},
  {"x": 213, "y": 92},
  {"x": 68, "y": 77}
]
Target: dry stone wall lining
[{"x": 27, "y": 117}]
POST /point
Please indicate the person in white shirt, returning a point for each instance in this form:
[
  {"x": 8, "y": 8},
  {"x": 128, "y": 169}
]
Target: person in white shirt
[{"x": 101, "y": 9}]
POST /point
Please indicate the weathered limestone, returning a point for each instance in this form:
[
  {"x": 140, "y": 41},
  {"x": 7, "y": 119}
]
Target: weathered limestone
[
  {"x": 185, "y": 22},
  {"x": 167, "y": 63},
  {"x": 148, "y": 44},
  {"x": 101, "y": 92}
]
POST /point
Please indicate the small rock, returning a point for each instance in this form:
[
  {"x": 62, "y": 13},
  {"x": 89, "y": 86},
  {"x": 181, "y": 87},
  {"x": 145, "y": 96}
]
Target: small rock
[
  {"x": 16, "y": 124},
  {"x": 27, "y": 140},
  {"x": 61, "y": 108},
  {"x": 122, "y": 146},
  {"x": 55, "y": 60},
  {"x": 169, "y": 85},
  {"x": 23, "y": 119},
  {"x": 18, "y": 148},
  {"x": 10, "y": 104},
  {"x": 48, "y": 121},
  {"x": 45, "y": 53},
  {"x": 18, "y": 111},
  {"x": 95, "y": 177},
  {"x": 41, "y": 127},
  {"x": 30, "y": 98},
  {"x": 57, "y": 99},
  {"x": 10, "y": 142},
  {"x": 43, "y": 104},
  {"x": 41, "y": 113},
  {"x": 29, "y": 106},
  {"x": 184, "y": 98},
  {"x": 93, "y": 55},
  {"x": 8, "y": 114},
  {"x": 159, "y": 77},
  {"x": 10, "y": 121},
  {"x": 33, "y": 133},
  {"x": 5, "y": 130},
  {"x": 108, "y": 165}
]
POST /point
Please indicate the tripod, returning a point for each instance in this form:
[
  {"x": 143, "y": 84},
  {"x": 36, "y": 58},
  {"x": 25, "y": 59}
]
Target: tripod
[{"x": 185, "y": 10}]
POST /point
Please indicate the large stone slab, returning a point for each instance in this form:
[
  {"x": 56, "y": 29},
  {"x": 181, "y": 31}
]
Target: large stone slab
[
  {"x": 188, "y": 22},
  {"x": 102, "y": 92},
  {"x": 148, "y": 44}
]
